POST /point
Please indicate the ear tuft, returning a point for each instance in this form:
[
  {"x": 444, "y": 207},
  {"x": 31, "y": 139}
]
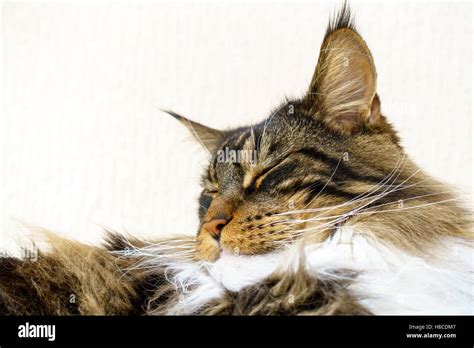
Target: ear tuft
[
  {"x": 342, "y": 19},
  {"x": 208, "y": 137}
]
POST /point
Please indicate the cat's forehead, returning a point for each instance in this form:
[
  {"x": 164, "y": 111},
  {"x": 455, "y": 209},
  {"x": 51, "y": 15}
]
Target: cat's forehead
[{"x": 258, "y": 143}]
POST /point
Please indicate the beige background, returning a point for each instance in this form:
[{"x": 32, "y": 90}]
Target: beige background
[{"x": 84, "y": 143}]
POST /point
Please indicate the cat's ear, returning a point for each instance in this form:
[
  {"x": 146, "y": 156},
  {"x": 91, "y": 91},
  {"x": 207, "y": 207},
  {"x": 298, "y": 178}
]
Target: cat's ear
[
  {"x": 208, "y": 137},
  {"x": 343, "y": 89}
]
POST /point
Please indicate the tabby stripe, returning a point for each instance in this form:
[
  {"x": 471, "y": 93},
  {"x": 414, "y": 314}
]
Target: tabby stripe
[
  {"x": 241, "y": 139},
  {"x": 277, "y": 174},
  {"x": 314, "y": 188},
  {"x": 343, "y": 171}
]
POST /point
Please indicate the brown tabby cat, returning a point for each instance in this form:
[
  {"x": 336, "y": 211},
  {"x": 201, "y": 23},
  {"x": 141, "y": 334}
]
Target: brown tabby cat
[{"x": 315, "y": 210}]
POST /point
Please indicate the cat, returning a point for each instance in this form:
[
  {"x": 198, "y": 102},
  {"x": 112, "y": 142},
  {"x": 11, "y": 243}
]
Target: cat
[{"x": 315, "y": 210}]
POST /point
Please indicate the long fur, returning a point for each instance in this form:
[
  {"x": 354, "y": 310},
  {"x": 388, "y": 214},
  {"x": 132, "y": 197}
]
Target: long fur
[{"x": 383, "y": 279}]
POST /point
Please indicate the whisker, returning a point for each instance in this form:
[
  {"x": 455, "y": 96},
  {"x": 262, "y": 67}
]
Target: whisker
[
  {"x": 354, "y": 211},
  {"x": 352, "y": 201},
  {"x": 408, "y": 199},
  {"x": 327, "y": 182},
  {"x": 411, "y": 207}
]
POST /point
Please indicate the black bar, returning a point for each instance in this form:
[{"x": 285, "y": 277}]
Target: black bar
[{"x": 136, "y": 331}]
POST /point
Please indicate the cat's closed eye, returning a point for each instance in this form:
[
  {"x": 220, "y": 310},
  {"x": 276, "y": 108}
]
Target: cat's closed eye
[
  {"x": 261, "y": 176},
  {"x": 211, "y": 192},
  {"x": 256, "y": 182}
]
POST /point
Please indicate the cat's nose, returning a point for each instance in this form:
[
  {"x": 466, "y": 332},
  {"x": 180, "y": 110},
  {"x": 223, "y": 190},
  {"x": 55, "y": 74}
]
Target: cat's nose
[{"x": 215, "y": 226}]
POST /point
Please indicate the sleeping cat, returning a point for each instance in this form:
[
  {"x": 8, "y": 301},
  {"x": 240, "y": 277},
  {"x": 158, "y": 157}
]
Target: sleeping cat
[{"x": 315, "y": 210}]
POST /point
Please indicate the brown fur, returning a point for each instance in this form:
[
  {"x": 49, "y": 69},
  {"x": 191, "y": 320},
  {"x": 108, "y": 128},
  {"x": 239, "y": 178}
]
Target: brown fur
[
  {"x": 289, "y": 294},
  {"x": 72, "y": 279},
  {"x": 102, "y": 285}
]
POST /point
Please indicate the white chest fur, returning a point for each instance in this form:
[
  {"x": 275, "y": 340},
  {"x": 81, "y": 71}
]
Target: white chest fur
[{"x": 390, "y": 281}]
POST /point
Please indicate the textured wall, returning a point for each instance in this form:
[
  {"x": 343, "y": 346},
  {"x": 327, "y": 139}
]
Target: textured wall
[{"x": 84, "y": 143}]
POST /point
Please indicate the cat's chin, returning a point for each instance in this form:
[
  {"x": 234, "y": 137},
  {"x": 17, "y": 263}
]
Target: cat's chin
[
  {"x": 207, "y": 248},
  {"x": 210, "y": 250}
]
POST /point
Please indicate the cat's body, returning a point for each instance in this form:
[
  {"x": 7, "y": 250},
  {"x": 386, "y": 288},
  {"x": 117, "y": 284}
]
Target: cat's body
[
  {"x": 78, "y": 279},
  {"x": 330, "y": 217}
]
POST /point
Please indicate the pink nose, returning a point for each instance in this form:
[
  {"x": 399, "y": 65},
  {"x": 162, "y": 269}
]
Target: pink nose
[{"x": 214, "y": 227}]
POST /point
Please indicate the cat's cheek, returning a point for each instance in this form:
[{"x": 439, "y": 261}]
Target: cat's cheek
[
  {"x": 237, "y": 244},
  {"x": 207, "y": 248}
]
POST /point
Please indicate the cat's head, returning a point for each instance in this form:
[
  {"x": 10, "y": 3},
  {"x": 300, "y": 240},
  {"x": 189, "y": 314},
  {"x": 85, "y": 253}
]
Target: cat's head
[{"x": 300, "y": 168}]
